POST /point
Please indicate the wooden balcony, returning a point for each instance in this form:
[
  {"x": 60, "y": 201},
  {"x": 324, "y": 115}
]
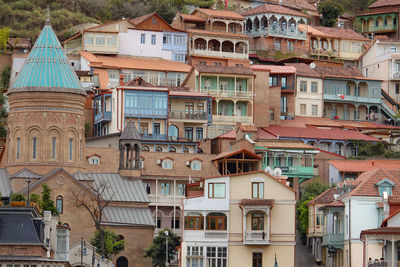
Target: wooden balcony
[
  {"x": 324, "y": 52},
  {"x": 277, "y": 32},
  {"x": 228, "y": 93},
  {"x": 212, "y": 53},
  {"x": 233, "y": 119}
]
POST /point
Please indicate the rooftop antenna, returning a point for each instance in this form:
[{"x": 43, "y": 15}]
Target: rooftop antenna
[{"x": 48, "y": 16}]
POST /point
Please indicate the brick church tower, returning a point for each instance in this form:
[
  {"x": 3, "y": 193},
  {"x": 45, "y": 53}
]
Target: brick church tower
[{"x": 46, "y": 111}]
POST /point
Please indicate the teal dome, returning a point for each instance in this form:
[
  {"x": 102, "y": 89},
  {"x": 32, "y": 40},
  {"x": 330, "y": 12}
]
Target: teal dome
[{"x": 47, "y": 68}]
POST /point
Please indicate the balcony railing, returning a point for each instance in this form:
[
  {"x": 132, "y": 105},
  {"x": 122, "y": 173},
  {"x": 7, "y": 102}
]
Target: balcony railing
[
  {"x": 154, "y": 137},
  {"x": 384, "y": 263},
  {"x": 168, "y": 199},
  {"x": 391, "y": 27},
  {"x": 277, "y": 32},
  {"x": 228, "y": 93},
  {"x": 210, "y": 234},
  {"x": 256, "y": 237},
  {"x": 212, "y": 53},
  {"x": 106, "y": 115},
  {"x": 296, "y": 170},
  {"x": 232, "y": 119},
  {"x": 357, "y": 99},
  {"x": 190, "y": 115},
  {"x": 335, "y": 240},
  {"x": 324, "y": 52}
]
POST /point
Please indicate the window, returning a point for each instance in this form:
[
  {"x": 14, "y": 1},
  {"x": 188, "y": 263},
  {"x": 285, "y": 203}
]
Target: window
[
  {"x": 158, "y": 149},
  {"x": 34, "y": 147},
  {"x": 195, "y": 258},
  {"x": 167, "y": 39},
  {"x": 154, "y": 20},
  {"x": 18, "y": 147},
  {"x": 314, "y": 87},
  {"x": 239, "y": 65},
  {"x": 59, "y": 204},
  {"x": 303, "y": 86},
  {"x": 112, "y": 41},
  {"x": 284, "y": 82},
  {"x": 173, "y": 132},
  {"x": 196, "y": 165},
  {"x": 165, "y": 189},
  {"x": 144, "y": 128},
  {"x": 153, "y": 39},
  {"x": 181, "y": 189},
  {"x": 257, "y": 221},
  {"x": 216, "y": 221},
  {"x": 180, "y": 57},
  {"x": 393, "y": 48},
  {"x": 100, "y": 40},
  {"x": 318, "y": 220},
  {"x": 94, "y": 160},
  {"x": 216, "y": 190},
  {"x": 156, "y": 129},
  {"x": 142, "y": 38},
  {"x": 314, "y": 110},
  {"x": 194, "y": 221},
  {"x": 70, "y": 148},
  {"x": 189, "y": 133},
  {"x": 176, "y": 221},
  {"x": 257, "y": 259},
  {"x": 207, "y": 84},
  {"x": 272, "y": 114},
  {"x": 199, "y": 133},
  {"x": 158, "y": 222},
  {"x": 303, "y": 109},
  {"x": 217, "y": 64},
  {"x": 397, "y": 88},
  {"x": 284, "y": 104},
  {"x": 53, "y": 147},
  {"x": 172, "y": 149},
  {"x": 189, "y": 107},
  {"x": 185, "y": 150},
  {"x": 147, "y": 187},
  {"x": 89, "y": 40},
  {"x": 62, "y": 240},
  {"x": 216, "y": 256},
  {"x": 166, "y": 163},
  {"x": 257, "y": 189},
  {"x": 277, "y": 45},
  {"x": 223, "y": 86}
]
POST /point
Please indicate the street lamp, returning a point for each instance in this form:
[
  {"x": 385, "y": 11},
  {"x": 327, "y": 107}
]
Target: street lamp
[
  {"x": 166, "y": 247},
  {"x": 29, "y": 182},
  {"x": 276, "y": 263}
]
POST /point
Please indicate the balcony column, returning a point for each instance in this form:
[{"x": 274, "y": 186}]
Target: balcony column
[
  {"x": 234, "y": 49},
  {"x": 368, "y": 112},
  {"x": 227, "y": 24},
  {"x": 156, "y": 195},
  {"x": 333, "y": 109},
  {"x": 234, "y": 108},
  {"x": 345, "y": 117},
  {"x": 357, "y": 117},
  {"x": 217, "y": 106},
  {"x": 235, "y": 76},
  {"x": 244, "y": 224},
  {"x": 174, "y": 216},
  {"x": 379, "y": 114},
  {"x": 393, "y": 265}
]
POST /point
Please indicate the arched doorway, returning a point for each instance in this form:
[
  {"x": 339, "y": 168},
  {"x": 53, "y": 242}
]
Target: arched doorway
[{"x": 122, "y": 262}]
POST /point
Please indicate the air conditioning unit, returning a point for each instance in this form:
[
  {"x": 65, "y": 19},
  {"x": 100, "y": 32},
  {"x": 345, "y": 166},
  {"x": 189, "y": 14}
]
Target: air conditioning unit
[
  {"x": 159, "y": 162},
  {"x": 187, "y": 163}
]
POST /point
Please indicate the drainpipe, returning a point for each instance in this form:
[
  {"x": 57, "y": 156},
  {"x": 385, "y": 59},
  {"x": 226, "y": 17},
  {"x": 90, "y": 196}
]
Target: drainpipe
[{"x": 349, "y": 232}]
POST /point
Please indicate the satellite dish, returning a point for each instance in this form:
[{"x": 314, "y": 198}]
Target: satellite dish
[
  {"x": 269, "y": 170},
  {"x": 312, "y": 65},
  {"x": 277, "y": 172}
]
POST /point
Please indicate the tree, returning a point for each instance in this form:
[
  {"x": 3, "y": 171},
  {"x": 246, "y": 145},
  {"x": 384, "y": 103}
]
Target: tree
[
  {"x": 113, "y": 244},
  {"x": 94, "y": 200},
  {"x": 4, "y": 37},
  {"x": 330, "y": 11},
  {"x": 47, "y": 203},
  {"x": 17, "y": 197},
  {"x": 156, "y": 251}
]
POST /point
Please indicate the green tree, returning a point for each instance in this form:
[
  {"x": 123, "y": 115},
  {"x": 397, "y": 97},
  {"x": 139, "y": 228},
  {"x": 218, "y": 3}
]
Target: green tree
[
  {"x": 47, "y": 203},
  {"x": 4, "y": 37},
  {"x": 156, "y": 251},
  {"x": 330, "y": 11},
  {"x": 113, "y": 243},
  {"x": 35, "y": 198},
  {"x": 17, "y": 197}
]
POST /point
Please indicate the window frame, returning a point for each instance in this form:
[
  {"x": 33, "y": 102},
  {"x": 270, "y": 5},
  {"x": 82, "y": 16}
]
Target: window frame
[
  {"x": 258, "y": 195},
  {"x": 197, "y": 220},
  {"x": 260, "y": 221},
  {"x": 60, "y": 199},
  {"x": 165, "y": 162},
  {"x": 212, "y": 195}
]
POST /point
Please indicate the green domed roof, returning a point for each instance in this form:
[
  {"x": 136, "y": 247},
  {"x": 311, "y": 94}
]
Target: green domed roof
[{"x": 47, "y": 68}]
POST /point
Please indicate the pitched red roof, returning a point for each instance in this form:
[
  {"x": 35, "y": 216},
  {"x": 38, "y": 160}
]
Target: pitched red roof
[
  {"x": 188, "y": 17},
  {"x": 224, "y": 70},
  {"x": 316, "y": 133},
  {"x": 273, "y": 8},
  {"x": 303, "y": 69},
  {"x": 264, "y": 135},
  {"x": 339, "y": 33},
  {"x": 220, "y": 13},
  {"x": 140, "y": 19},
  {"x": 381, "y": 3},
  {"x": 231, "y": 134},
  {"x": 228, "y": 154},
  {"x": 364, "y": 165},
  {"x": 381, "y": 230},
  {"x": 325, "y": 197},
  {"x": 273, "y": 69}
]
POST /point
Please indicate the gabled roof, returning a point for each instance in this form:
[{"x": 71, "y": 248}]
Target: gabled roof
[
  {"x": 364, "y": 165},
  {"x": 273, "y": 69},
  {"x": 216, "y": 13},
  {"x": 285, "y": 144},
  {"x": 193, "y": 18},
  {"x": 140, "y": 19},
  {"x": 128, "y": 216},
  {"x": 130, "y": 132},
  {"x": 228, "y": 154},
  {"x": 228, "y": 135},
  {"x": 273, "y": 8},
  {"x": 303, "y": 69},
  {"x": 341, "y": 72},
  {"x": 47, "y": 68},
  {"x": 138, "y": 81},
  {"x": 26, "y": 173},
  {"x": 326, "y": 197},
  {"x": 381, "y": 3},
  {"x": 331, "y": 32}
]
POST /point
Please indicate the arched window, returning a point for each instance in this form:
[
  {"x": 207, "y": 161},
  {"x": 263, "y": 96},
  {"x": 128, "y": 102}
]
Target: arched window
[
  {"x": 185, "y": 150},
  {"x": 194, "y": 221},
  {"x": 59, "y": 204},
  {"x": 122, "y": 262},
  {"x": 158, "y": 149},
  {"x": 145, "y": 148},
  {"x": 172, "y": 149},
  {"x": 173, "y": 132},
  {"x": 216, "y": 221}
]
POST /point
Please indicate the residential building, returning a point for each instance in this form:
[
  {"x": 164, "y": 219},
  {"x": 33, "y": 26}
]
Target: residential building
[
  {"x": 232, "y": 89},
  {"x": 315, "y": 222},
  {"x": 237, "y": 220},
  {"x": 274, "y": 27},
  {"x": 27, "y": 238},
  {"x": 147, "y": 36},
  {"x": 381, "y": 61},
  {"x": 382, "y": 18},
  {"x": 215, "y": 37},
  {"x": 309, "y": 91},
  {"x": 336, "y": 44}
]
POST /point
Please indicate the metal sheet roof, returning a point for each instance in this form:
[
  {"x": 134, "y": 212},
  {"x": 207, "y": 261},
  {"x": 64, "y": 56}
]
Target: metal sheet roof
[
  {"x": 129, "y": 215},
  {"x": 121, "y": 189},
  {"x": 5, "y": 185},
  {"x": 47, "y": 68},
  {"x": 80, "y": 176},
  {"x": 26, "y": 173}
]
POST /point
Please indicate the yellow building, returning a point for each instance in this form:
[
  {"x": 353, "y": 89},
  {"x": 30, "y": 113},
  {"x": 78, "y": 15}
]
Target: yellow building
[{"x": 245, "y": 219}]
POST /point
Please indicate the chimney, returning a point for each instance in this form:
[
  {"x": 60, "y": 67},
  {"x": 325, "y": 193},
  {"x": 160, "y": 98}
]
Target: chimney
[
  {"x": 121, "y": 80},
  {"x": 386, "y": 207}
]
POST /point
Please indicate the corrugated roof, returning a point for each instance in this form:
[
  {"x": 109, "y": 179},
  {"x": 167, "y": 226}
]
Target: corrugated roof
[
  {"x": 364, "y": 165},
  {"x": 128, "y": 215},
  {"x": 26, "y": 173},
  {"x": 381, "y": 231},
  {"x": 287, "y": 144},
  {"x": 103, "y": 77},
  {"x": 220, "y": 13},
  {"x": 273, "y": 8},
  {"x": 119, "y": 188},
  {"x": 5, "y": 185},
  {"x": 273, "y": 69},
  {"x": 80, "y": 176},
  {"x": 47, "y": 68},
  {"x": 352, "y": 73}
]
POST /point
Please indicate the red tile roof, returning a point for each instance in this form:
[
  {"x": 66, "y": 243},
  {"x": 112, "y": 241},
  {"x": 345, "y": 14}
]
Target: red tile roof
[
  {"x": 340, "y": 72},
  {"x": 339, "y": 33},
  {"x": 325, "y": 197},
  {"x": 381, "y": 3},
  {"x": 230, "y": 135},
  {"x": 364, "y": 165},
  {"x": 273, "y": 69},
  {"x": 381, "y": 231},
  {"x": 220, "y": 13},
  {"x": 315, "y": 133},
  {"x": 224, "y": 70},
  {"x": 273, "y": 8},
  {"x": 256, "y": 202},
  {"x": 303, "y": 69},
  {"x": 264, "y": 135},
  {"x": 188, "y": 17}
]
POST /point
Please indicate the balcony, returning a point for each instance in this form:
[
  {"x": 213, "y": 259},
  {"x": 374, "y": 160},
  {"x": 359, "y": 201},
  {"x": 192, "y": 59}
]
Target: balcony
[
  {"x": 256, "y": 237},
  {"x": 334, "y": 240},
  {"x": 296, "y": 171},
  {"x": 350, "y": 98},
  {"x": 212, "y": 53},
  {"x": 165, "y": 200},
  {"x": 193, "y": 115},
  {"x": 277, "y": 33},
  {"x": 161, "y": 137},
  {"x": 228, "y": 93},
  {"x": 103, "y": 116},
  {"x": 369, "y": 29},
  {"x": 210, "y": 234},
  {"x": 233, "y": 119},
  {"x": 324, "y": 52}
]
